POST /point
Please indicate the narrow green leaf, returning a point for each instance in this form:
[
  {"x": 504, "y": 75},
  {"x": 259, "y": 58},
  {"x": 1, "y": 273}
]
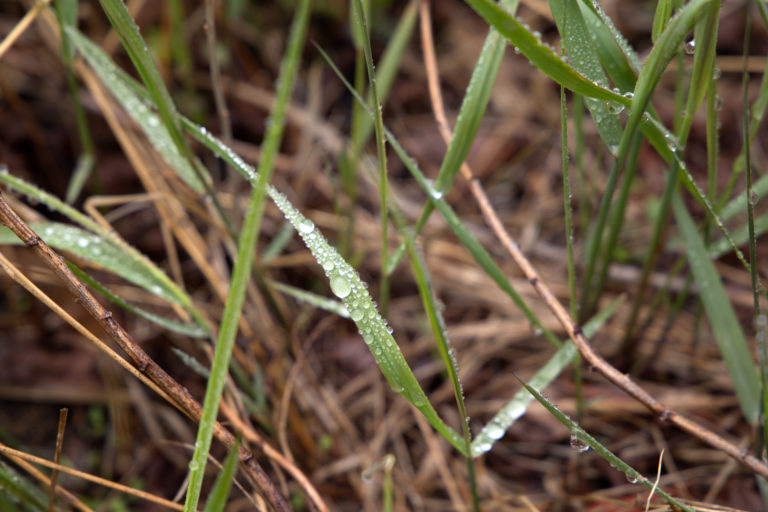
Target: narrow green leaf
[
  {"x": 157, "y": 132},
  {"x": 96, "y": 250},
  {"x": 186, "y": 329},
  {"x": 582, "y": 441},
  {"x": 660, "y": 17},
  {"x": 541, "y": 55},
  {"x": 515, "y": 408},
  {"x": 722, "y": 318},
  {"x": 347, "y": 286},
  {"x": 137, "y": 50},
  {"x": 313, "y": 299},
  {"x": 244, "y": 262},
  {"x": 582, "y": 55},
  {"x": 217, "y": 499}
]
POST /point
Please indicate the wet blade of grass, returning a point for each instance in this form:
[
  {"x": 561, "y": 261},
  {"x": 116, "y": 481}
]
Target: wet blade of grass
[
  {"x": 458, "y": 227},
  {"x": 582, "y": 55},
  {"x": 473, "y": 107},
  {"x": 582, "y": 441},
  {"x": 66, "y": 13},
  {"x": 381, "y": 154},
  {"x": 662, "y": 52},
  {"x": 139, "y": 54},
  {"x": 157, "y": 133},
  {"x": 113, "y": 258},
  {"x": 515, "y": 408},
  {"x": 217, "y": 499},
  {"x": 244, "y": 262},
  {"x": 722, "y": 318},
  {"x": 541, "y": 55}
]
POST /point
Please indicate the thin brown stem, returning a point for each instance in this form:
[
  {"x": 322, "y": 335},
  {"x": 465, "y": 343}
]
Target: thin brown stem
[
  {"x": 57, "y": 456},
  {"x": 574, "y": 331},
  {"x": 145, "y": 364}
]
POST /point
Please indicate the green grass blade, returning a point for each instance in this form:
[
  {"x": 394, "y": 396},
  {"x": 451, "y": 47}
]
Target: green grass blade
[
  {"x": 217, "y": 499},
  {"x": 381, "y": 153},
  {"x": 157, "y": 133},
  {"x": 130, "y": 258},
  {"x": 515, "y": 408},
  {"x": 186, "y": 329},
  {"x": 21, "y": 490},
  {"x": 97, "y": 250},
  {"x": 541, "y": 55},
  {"x": 582, "y": 441},
  {"x": 244, "y": 261},
  {"x": 346, "y": 285},
  {"x": 725, "y": 326},
  {"x": 139, "y": 54},
  {"x": 660, "y": 18},
  {"x": 582, "y": 55},
  {"x": 313, "y": 299}
]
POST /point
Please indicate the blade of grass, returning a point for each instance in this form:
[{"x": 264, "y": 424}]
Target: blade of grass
[
  {"x": 581, "y": 441},
  {"x": 217, "y": 499},
  {"x": 138, "y": 52},
  {"x": 582, "y": 55},
  {"x": 459, "y": 229},
  {"x": 156, "y": 131},
  {"x": 66, "y": 13},
  {"x": 471, "y": 113},
  {"x": 722, "y": 318},
  {"x": 515, "y": 408},
  {"x": 381, "y": 155},
  {"x": 244, "y": 261}
]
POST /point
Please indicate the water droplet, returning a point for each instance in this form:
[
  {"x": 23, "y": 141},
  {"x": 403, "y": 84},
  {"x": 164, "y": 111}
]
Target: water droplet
[
  {"x": 629, "y": 95},
  {"x": 614, "y": 107},
  {"x": 753, "y": 198},
  {"x": 631, "y": 478},
  {"x": 340, "y": 287},
  {"x": 306, "y": 226},
  {"x": 578, "y": 445},
  {"x": 494, "y": 431},
  {"x": 690, "y": 47},
  {"x": 718, "y": 102},
  {"x": 193, "y": 465},
  {"x": 435, "y": 194},
  {"x": 83, "y": 243},
  {"x": 535, "y": 329},
  {"x": 356, "y": 314},
  {"x": 328, "y": 265}
]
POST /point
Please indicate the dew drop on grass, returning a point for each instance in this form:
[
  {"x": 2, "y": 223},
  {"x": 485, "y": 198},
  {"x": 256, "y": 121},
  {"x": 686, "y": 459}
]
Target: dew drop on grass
[
  {"x": 631, "y": 478},
  {"x": 193, "y": 465},
  {"x": 578, "y": 445},
  {"x": 356, "y": 314},
  {"x": 328, "y": 265},
  {"x": 83, "y": 243},
  {"x": 494, "y": 430},
  {"x": 690, "y": 47},
  {"x": 340, "y": 286}
]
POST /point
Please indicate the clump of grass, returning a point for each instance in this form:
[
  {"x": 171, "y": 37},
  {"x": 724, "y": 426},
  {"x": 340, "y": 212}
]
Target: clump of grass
[{"x": 595, "y": 67}]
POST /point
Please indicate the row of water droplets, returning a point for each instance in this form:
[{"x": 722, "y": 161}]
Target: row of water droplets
[{"x": 347, "y": 286}]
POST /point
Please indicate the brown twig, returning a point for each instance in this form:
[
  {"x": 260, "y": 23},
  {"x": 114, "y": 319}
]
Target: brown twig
[
  {"x": 145, "y": 364},
  {"x": 574, "y": 331},
  {"x": 57, "y": 456}
]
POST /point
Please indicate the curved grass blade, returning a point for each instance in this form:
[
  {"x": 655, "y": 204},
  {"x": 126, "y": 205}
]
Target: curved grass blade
[
  {"x": 186, "y": 329},
  {"x": 154, "y": 273},
  {"x": 346, "y": 285},
  {"x": 97, "y": 250},
  {"x": 725, "y": 326},
  {"x": 582, "y": 54},
  {"x": 313, "y": 299},
  {"x": 581, "y": 438},
  {"x": 245, "y": 247},
  {"x": 137, "y": 50},
  {"x": 157, "y": 133},
  {"x": 515, "y": 408},
  {"x": 541, "y": 55},
  {"x": 217, "y": 499}
]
